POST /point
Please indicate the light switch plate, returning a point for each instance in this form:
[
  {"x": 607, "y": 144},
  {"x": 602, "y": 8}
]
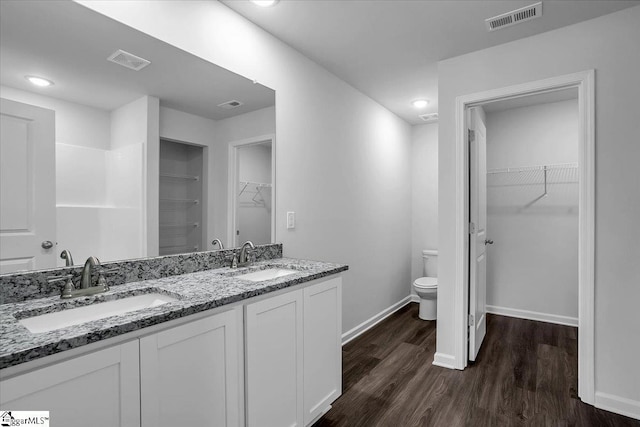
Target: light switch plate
[{"x": 291, "y": 220}]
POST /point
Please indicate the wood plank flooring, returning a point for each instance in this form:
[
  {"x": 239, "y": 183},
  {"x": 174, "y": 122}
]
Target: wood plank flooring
[{"x": 525, "y": 375}]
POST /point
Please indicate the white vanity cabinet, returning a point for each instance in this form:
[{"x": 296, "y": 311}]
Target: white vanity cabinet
[
  {"x": 191, "y": 374},
  {"x": 322, "y": 358},
  {"x": 99, "y": 389},
  {"x": 293, "y": 355},
  {"x": 272, "y": 362}
]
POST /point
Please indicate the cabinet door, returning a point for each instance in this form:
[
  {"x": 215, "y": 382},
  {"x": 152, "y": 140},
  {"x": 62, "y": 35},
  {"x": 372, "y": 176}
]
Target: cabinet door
[
  {"x": 189, "y": 375},
  {"x": 97, "y": 389},
  {"x": 322, "y": 347},
  {"x": 274, "y": 361}
]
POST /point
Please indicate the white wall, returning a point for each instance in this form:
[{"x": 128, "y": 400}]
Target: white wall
[
  {"x": 533, "y": 264},
  {"x": 609, "y": 45},
  {"x": 343, "y": 161},
  {"x": 76, "y": 124},
  {"x": 424, "y": 193}
]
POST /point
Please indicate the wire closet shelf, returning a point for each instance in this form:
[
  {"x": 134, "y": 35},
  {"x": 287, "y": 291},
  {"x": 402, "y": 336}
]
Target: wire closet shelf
[
  {"x": 561, "y": 173},
  {"x": 541, "y": 176}
]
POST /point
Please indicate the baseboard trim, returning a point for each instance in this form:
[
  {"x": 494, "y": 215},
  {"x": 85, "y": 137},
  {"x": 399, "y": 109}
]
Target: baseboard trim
[
  {"x": 533, "y": 315},
  {"x": 373, "y": 321},
  {"x": 444, "y": 360},
  {"x": 415, "y": 298},
  {"x": 617, "y": 404}
]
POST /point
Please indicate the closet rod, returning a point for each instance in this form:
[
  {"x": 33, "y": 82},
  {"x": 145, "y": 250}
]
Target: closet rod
[
  {"x": 257, "y": 184},
  {"x": 534, "y": 168}
]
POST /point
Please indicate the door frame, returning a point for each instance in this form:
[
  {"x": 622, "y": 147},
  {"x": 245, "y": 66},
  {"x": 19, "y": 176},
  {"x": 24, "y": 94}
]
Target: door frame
[
  {"x": 585, "y": 83},
  {"x": 232, "y": 215}
]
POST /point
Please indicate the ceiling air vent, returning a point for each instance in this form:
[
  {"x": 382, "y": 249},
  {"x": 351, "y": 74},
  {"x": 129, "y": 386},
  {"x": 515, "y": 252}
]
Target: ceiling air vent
[
  {"x": 514, "y": 17},
  {"x": 230, "y": 105},
  {"x": 128, "y": 60},
  {"x": 429, "y": 118}
]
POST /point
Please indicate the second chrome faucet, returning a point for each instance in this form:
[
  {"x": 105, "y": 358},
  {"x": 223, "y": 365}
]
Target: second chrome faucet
[
  {"x": 245, "y": 257},
  {"x": 85, "y": 286},
  {"x": 245, "y": 253}
]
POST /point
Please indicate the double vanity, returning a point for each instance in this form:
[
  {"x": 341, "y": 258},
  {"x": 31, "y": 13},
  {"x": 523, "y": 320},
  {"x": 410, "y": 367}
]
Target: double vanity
[{"x": 258, "y": 345}]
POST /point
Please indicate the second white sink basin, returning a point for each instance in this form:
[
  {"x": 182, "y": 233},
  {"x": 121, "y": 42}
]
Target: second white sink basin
[
  {"x": 268, "y": 274},
  {"x": 75, "y": 316}
]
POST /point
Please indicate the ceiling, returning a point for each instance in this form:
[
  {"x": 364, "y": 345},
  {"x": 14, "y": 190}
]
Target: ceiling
[
  {"x": 69, "y": 44},
  {"x": 389, "y": 49}
]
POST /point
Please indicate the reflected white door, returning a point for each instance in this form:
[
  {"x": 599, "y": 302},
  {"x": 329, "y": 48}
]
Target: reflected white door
[
  {"x": 478, "y": 232},
  {"x": 27, "y": 187}
]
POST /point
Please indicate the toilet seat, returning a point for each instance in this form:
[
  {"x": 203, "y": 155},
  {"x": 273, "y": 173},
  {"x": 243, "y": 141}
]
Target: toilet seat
[{"x": 426, "y": 283}]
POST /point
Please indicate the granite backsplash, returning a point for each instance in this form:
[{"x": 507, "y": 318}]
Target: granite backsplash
[{"x": 18, "y": 287}]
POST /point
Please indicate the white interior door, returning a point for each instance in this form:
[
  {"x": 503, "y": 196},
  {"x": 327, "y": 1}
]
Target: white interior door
[
  {"x": 27, "y": 187},
  {"x": 477, "y": 232}
]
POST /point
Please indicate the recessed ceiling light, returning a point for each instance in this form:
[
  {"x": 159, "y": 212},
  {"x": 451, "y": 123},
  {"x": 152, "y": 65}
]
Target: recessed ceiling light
[
  {"x": 420, "y": 103},
  {"x": 264, "y": 3},
  {"x": 39, "y": 81}
]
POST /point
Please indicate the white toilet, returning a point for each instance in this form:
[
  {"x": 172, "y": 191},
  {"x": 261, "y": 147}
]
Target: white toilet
[{"x": 427, "y": 287}]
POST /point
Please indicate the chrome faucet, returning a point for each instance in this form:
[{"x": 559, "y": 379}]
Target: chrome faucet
[
  {"x": 85, "y": 280},
  {"x": 244, "y": 253},
  {"x": 214, "y": 241},
  {"x": 66, "y": 255},
  {"x": 84, "y": 288}
]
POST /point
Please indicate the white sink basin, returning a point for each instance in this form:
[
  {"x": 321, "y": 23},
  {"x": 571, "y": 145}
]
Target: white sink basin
[
  {"x": 75, "y": 316},
  {"x": 268, "y": 274}
]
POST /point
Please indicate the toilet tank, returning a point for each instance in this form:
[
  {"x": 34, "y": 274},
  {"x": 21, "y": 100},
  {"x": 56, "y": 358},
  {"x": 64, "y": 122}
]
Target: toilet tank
[{"x": 430, "y": 263}]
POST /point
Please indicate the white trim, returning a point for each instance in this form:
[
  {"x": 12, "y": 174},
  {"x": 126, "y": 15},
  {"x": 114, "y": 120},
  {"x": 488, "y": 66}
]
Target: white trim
[
  {"x": 444, "y": 360},
  {"x": 617, "y": 404},
  {"x": 233, "y": 181},
  {"x": 585, "y": 82},
  {"x": 373, "y": 321},
  {"x": 533, "y": 315},
  {"x": 414, "y": 298}
]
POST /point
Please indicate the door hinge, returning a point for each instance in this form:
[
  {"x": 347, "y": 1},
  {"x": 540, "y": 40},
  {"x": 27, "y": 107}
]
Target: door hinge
[
  {"x": 472, "y": 228},
  {"x": 471, "y": 320},
  {"x": 472, "y": 135}
]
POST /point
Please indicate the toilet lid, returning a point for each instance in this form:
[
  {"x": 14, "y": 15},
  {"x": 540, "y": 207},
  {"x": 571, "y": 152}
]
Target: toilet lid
[{"x": 426, "y": 282}]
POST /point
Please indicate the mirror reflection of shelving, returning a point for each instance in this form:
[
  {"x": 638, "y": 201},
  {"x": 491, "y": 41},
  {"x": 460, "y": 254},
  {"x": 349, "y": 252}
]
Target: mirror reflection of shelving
[{"x": 180, "y": 214}]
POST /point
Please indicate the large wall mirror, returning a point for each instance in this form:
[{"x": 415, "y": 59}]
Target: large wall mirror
[{"x": 134, "y": 149}]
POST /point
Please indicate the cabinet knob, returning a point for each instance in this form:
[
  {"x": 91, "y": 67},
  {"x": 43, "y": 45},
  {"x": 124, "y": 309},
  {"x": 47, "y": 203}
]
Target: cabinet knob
[
  {"x": 47, "y": 244},
  {"x": 488, "y": 242}
]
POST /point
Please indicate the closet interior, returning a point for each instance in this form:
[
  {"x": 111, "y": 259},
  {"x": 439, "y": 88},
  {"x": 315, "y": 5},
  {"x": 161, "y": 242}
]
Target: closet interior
[{"x": 181, "y": 207}]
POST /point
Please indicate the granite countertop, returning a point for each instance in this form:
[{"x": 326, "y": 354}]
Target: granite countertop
[{"x": 195, "y": 292}]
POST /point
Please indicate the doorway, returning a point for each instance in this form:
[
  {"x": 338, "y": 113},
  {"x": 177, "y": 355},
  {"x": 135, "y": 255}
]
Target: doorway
[
  {"x": 584, "y": 83},
  {"x": 252, "y": 191},
  {"x": 181, "y": 194},
  {"x": 524, "y": 196}
]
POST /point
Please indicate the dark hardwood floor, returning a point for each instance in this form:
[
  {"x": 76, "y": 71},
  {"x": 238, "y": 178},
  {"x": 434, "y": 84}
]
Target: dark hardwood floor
[{"x": 525, "y": 375}]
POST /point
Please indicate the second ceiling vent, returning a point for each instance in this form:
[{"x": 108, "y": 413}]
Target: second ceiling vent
[
  {"x": 429, "y": 118},
  {"x": 514, "y": 17},
  {"x": 128, "y": 60},
  {"x": 230, "y": 105}
]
